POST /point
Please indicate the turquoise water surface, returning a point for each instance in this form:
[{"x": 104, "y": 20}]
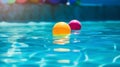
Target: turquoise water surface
[{"x": 32, "y": 45}]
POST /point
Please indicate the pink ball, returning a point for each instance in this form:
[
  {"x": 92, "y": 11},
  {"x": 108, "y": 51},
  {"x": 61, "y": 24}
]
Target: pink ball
[{"x": 75, "y": 25}]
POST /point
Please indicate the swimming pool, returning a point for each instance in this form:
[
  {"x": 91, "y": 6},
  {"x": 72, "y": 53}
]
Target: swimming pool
[{"x": 32, "y": 45}]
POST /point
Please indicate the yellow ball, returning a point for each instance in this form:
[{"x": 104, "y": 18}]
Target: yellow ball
[{"x": 61, "y": 28}]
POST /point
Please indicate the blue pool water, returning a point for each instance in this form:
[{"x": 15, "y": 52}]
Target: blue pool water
[{"x": 32, "y": 45}]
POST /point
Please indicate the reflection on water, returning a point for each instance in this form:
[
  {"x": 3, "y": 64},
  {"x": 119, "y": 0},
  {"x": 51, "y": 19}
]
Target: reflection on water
[
  {"x": 75, "y": 35},
  {"x": 61, "y": 49},
  {"x": 61, "y": 39},
  {"x": 116, "y": 59},
  {"x": 64, "y": 61},
  {"x": 69, "y": 56},
  {"x": 32, "y": 45}
]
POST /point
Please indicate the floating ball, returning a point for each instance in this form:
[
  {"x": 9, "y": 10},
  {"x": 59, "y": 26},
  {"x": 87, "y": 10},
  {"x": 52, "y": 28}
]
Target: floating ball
[
  {"x": 61, "y": 28},
  {"x": 21, "y": 1},
  {"x": 52, "y": 2},
  {"x": 75, "y": 25}
]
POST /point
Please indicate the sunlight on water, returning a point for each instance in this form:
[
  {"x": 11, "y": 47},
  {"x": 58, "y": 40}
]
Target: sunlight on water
[
  {"x": 64, "y": 61},
  {"x": 32, "y": 44},
  {"x": 62, "y": 50},
  {"x": 116, "y": 58},
  {"x": 61, "y": 39}
]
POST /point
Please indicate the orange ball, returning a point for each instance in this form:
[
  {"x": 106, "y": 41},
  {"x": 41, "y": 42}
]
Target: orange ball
[{"x": 61, "y": 28}]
